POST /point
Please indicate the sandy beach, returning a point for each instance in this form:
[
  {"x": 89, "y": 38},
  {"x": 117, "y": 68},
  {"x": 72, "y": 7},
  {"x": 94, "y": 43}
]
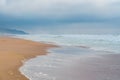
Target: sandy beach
[{"x": 13, "y": 52}]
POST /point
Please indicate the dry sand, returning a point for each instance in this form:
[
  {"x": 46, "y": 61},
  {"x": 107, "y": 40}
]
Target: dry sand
[{"x": 13, "y": 51}]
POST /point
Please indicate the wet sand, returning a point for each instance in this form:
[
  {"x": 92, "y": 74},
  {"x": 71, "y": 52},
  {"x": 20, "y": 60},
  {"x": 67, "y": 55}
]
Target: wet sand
[
  {"x": 13, "y": 52},
  {"x": 95, "y": 67},
  {"x": 74, "y": 63}
]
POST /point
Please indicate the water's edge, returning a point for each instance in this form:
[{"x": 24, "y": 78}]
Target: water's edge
[{"x": 41, "y": 67}]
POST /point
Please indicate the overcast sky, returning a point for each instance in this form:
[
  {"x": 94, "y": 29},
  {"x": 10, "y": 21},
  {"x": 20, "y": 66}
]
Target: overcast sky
[{"x": 61, "y": 16}]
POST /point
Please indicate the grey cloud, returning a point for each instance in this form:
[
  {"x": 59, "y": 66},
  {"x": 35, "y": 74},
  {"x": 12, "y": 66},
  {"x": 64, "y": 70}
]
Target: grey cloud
[
  {"x": 61, "y": 16},
  {"x": 58, "y": 8}
]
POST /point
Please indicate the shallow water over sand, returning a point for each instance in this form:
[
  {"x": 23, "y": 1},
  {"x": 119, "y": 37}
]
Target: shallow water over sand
[{"x": 73, "y": 63}]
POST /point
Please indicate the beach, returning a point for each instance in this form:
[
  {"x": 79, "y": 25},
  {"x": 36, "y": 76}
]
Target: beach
[
  {"x": 80, "y": 57},
  {"x": 13, "y": 52},
  {"x": 76, "y": 59}
]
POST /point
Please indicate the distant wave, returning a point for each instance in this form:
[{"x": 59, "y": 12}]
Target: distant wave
[{"x": 97, "y": 42}]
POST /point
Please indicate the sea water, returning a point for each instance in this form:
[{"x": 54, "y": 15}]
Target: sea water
[
  {"x": 109, "y": 43},
  {"x": 64, "y": 63}
]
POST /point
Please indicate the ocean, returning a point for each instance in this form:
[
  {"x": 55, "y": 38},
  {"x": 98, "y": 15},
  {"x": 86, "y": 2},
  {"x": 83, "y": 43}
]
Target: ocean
[
  {"x": 97, "y": 42},
  {"x": 79, "y": 57}
]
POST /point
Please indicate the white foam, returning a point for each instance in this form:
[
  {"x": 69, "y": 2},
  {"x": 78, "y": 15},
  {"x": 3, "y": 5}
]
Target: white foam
[
  {"x": 97, "y": 42},
  {"x": 59, "y": 63}
]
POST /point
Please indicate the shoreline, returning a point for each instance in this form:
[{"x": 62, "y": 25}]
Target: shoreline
[
  {"x": 13, "y": 51},
  {"x": 80, "y": 67}
]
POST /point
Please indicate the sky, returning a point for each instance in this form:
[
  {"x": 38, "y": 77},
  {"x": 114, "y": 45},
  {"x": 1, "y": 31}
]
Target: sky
[{"x": 61, "y": 16}]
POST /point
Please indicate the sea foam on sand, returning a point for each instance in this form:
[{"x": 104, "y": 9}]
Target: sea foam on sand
[{"x": 73, "y": 63}]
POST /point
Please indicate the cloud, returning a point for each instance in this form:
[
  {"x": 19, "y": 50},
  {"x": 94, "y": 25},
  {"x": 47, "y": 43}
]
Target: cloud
[
  {"x": 61, "y": 16},
  {"x": 59, "y": 8}
]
